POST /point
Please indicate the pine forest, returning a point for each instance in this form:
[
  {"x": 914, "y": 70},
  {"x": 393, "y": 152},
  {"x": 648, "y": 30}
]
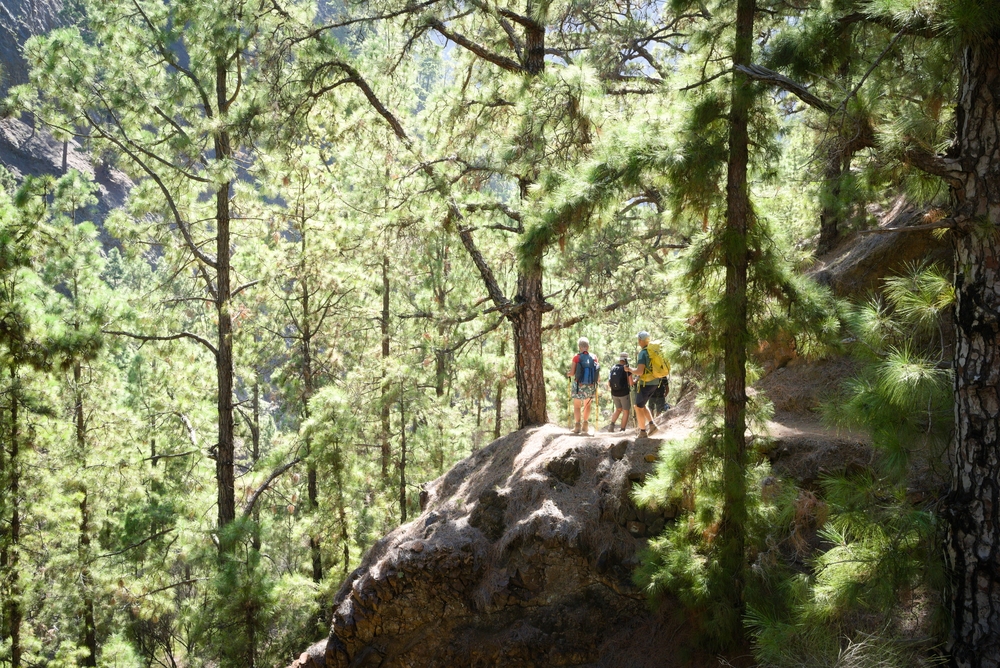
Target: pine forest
[{"x": 300, "y": 304}]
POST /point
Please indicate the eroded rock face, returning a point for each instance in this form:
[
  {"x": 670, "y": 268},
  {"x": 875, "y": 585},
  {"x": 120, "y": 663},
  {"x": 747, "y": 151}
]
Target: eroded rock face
[
  {"x": 860, "y": 262},
  {"x": 523, "y": 557},
  {"x": 26, "y": 148}
]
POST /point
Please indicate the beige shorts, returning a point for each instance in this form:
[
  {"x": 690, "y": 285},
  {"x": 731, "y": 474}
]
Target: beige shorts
[{"x": 622, "y": 403}]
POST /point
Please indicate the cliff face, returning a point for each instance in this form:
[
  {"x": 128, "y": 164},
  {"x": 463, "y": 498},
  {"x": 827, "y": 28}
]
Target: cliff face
[
  {"x": 29, "y": 151},
  {"x": 523, "y": 556},
  {"x": 19, "y": 20}
]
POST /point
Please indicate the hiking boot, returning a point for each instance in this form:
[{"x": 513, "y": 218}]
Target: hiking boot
[
  {"x": 610, "y": 428},
  {"x": 586, "y": 427},
  {"x": 642, "y": 433},
  {"x": 651, "y": 428},
  {"x": 576, "y": 428}
]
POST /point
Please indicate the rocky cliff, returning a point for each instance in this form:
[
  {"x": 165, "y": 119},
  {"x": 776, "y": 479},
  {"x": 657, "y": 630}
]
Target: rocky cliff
[
  {"x": 523, "y": 556},
  {"x": 524, "y": 553},
  {"x": 29, "y": 151}
]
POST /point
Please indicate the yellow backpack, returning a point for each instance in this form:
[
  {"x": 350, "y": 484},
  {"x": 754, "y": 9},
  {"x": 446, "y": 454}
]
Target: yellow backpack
[{"x": 659, "y": 367}]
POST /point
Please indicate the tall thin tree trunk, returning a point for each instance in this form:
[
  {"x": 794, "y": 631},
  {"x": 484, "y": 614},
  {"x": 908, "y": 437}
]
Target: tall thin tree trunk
[
  {"x": 225, "y": 455},
  {"x": 441, "y": 353},
  {"x": 739, "y": 216},
  {"x": 498, "y": 400},
  {"x": 89, "y": 626},
  {"x": 345, "y": 538},
  {"x": 255, "y": 457},
  {"x": 12, "y": 604},
  {"x": 384, "y": 322},
  {"x": 402, "y": 459},
  {"x": 831, "y": 214},
  {"x": 973, "y": 505}
]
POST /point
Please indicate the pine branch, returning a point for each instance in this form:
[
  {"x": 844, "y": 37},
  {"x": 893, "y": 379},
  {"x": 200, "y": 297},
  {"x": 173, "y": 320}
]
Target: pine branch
[
  {"x": 270, "y": 479},
  {"x": 169, "y": 337},
  {"x": 759, "y": 73},
  {"x": 947, "y": 169},
  {"x": 134, "y": 545},
  {"x": 481, "y": 51},
  {"x": 614, "y": 306}
]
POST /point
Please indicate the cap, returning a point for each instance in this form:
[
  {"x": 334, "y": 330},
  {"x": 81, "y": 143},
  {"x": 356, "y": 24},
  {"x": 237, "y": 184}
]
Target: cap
[{"x": 623, "y": 357}]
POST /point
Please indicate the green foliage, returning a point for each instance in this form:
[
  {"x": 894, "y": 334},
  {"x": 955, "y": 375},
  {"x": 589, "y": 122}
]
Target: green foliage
[{"x": 882, "y": 554}]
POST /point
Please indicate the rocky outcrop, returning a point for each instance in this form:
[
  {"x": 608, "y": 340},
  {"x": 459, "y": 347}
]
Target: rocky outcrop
[
  {"x": 904, "y": 236},
  {"x": 523, "y": 556}
]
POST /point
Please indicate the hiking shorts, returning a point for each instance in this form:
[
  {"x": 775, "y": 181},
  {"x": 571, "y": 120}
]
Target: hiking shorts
[
  {"x": 644, "y": 392},
  {"x": 623, "y": 403},
  {"x": 584, "y": 392}
]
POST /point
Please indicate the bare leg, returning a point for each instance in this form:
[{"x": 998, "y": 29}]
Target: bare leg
[
  {"x": 643, "y": 416},
  {"x": 625, "y": 417}
]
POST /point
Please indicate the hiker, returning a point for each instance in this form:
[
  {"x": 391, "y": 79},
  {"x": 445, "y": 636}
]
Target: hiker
[
  {"x": 620, "y": 384},
  {"x": 651, "y": 368},
  {"x": 658, "y": 402},
  {"x": 583, "y": 371}
]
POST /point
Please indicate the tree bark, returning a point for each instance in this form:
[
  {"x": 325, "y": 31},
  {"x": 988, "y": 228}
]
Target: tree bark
[
  {"x": 402, "y": 459},
  {"x": 12, "y": 605},
  {"x": 973, "y": 505},
  {"x": 739, "y": 216},
  {"x": 89, "y": 626},
  {"x": 384, "y": 323},
  {"x": 224, "y": 363},
  {"x": 255, "y": 457},
  {"x": 526, "y": 321},
  {"x": 831, "y": 215},
  {"x": 498, "y": 400}
]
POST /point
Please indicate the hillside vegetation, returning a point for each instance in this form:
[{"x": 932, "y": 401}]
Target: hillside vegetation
[{"x": 275, "y": 277}]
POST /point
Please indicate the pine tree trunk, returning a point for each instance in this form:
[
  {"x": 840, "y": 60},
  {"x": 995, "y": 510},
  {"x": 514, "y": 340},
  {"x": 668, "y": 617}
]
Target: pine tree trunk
[
  {"x": 345, "y": 537},
  {"x": 831, "y": 213},
  {"x": 384, "y": 322},
  {"x": 498, "y": 400},
  {"x": 402, "y": 460},
  {"x": 89, "y": 627},
  {"x": 973, "y": 544},
  {"x": 12, "y": 604},
  {"x": 307, "y": 333},
  {"x": 255, "y": 457},
  {"x": 528, "y": 362},
  {"x": 225, "y": 455},
  {"x": 732, "y": 531}
]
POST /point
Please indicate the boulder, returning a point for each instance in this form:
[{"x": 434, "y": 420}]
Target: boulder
[{"x": 523, "y": 556}]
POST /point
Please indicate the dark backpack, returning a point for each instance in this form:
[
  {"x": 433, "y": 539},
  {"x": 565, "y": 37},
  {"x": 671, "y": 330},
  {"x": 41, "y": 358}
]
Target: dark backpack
[
  {"x": 618, "y": 380},
  {"x": 586, "y": 370}
]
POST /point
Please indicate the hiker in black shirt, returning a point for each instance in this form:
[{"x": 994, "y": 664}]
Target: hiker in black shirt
[{"x": 620, "y": 383}]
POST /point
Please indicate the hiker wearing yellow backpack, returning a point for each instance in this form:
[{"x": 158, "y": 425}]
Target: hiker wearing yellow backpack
[{"x": 651, "y": 369}]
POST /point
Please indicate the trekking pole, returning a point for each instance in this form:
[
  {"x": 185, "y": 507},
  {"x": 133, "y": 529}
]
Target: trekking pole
[
  {"x": 597, "y": 407},
  {"x": 569, "y": 403}
]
